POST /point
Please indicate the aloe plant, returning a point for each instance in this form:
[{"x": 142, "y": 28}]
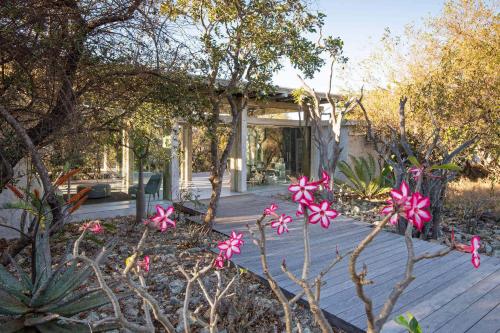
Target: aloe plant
[
  {"x": 39, "y": 301},
  {"x": 363, "y": 178},
  {"x": 38, "y": 305}
]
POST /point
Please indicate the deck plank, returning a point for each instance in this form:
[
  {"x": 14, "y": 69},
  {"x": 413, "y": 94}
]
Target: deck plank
[{"x": 446, "y": 289}]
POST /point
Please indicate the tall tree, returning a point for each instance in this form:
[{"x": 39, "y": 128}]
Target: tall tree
[
  {"x": 63, "y": 63},
  {"x": 240, "y": 45},
  {"x": 448, "y": 69}
]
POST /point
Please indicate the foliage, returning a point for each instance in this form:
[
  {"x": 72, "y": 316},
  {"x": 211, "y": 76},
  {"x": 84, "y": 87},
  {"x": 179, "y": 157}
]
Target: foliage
[
  {"x": 449, "y": 71},
  {"x": 410, "y": 323},
  {"x": 237, "y": 47},
  {"x": 363, "y": 179},
  {"x": 39, "y": 302},
  {"x": 67, "y": 68}
]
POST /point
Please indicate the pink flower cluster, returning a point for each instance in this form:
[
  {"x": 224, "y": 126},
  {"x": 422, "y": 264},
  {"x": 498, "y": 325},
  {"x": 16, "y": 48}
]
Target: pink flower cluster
[
  {"x": 411, "y": 206},
  {"x": 93, "y": 226},
  {"x": 144, "y": 264},
  {"x": 280, "y": 223},
  {"x": 303, "y": 195},
  {"x": 161, "y": 220},
  {"x": 227, "y": 248}
]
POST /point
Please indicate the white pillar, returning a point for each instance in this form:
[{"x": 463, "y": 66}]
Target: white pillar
[
  {"x": 314, "y": 166},
  {"x": 187, "y": 153},
  {"x": 238, "y": 160},
  {"x": 171, "y": 175},
  {"x": 127, "y": 171}
]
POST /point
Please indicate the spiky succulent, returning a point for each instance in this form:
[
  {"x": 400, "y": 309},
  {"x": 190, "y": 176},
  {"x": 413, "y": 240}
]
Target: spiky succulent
[
  {"x": 43, "y": 299},
  {"x": 363, "y": 178},
  {"x": 39, "y": 306}
]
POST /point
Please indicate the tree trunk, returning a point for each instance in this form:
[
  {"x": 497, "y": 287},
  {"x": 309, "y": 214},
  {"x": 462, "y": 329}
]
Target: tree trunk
[
  {"x": 140, "y": 197},
  {"x": 216, "y": 183},
  {"x": 219, "y": 164}
]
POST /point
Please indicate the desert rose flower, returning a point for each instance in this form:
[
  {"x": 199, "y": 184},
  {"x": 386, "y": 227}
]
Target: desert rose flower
[
  {"x": 475, "y": 244},
  {"x": 302, "y": 190},
  {"x": 219, "y": 261},
  {"x": 399, "y": 204},
  {"x": 271, "y": 210},
  {"x": 93, "y": 226},
  {"x": 322, "y": 213},
  {"x": 144, "y": 264},
  {"x": 302, "y": 206},
  {"x": 418, "y": 214},
  {"x": 416, "y": 172},
  {"x": 161, "y": 219},
  {"x": 281, "y": 224},
  {"x": 238, "y": 237},
  {"x": 325, "y": 180},
  {"x": 229, "y": 247}
]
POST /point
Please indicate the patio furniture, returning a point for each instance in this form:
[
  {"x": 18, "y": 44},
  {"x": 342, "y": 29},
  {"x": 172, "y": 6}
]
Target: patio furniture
[
  {"x": 152, "y": 187},
  {"x": 97, "y": 191}
]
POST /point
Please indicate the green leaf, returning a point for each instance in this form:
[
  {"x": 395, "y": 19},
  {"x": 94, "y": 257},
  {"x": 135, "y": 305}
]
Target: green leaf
[
  {"x": 10, "y": 284},
  {"x": 401, "y": 320},
  {"x": 413, "y": 160},
  {"x": 11, "y": 305},
  {"x": 92, "y": 301},
  {"x": 414, "y": 326},
  {"x": 57, "y": 327},
  {"x": 447, "y": 166}
]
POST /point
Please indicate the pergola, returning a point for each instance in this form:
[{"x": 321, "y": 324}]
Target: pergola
[{"x": 269, "y": 112}]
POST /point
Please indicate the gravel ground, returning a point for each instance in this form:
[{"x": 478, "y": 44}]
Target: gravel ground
[{"x": 251, "y": 306}]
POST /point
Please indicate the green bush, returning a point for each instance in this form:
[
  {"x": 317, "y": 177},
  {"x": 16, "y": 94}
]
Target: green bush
[{"x": 363, "y": 178}]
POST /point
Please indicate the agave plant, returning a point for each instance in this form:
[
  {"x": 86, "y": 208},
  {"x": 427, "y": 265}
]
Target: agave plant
[
  {"x": 43, "y": 300},
  {"x": 41, "y": 305},
  {"x": 363, "y": 178}
]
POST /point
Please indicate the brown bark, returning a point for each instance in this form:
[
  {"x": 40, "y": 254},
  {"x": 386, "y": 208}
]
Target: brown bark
[{"x": 219, "y": 164}]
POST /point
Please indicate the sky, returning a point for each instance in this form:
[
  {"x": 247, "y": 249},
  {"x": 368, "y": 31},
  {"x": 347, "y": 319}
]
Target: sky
[{"x": 360, "y": 24}]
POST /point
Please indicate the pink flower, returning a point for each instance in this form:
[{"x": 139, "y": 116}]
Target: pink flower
[
  {"x": 302, "y": 190},
  {"x": 94, "y": 226},
  {"x": 417, "y": 213},
  {"x": 475, "y": 244},
  {"x": 417, "y": 172},
  {"x": 399, "y": 204},
  {"x": 325, "y": 179},
  {"x": 281, "y": 224},
  {"x": 219, "y": 261},
  {"x": 161, "y": 220},
  {"x": 301, "y": 208},
  {"x": 323, "y": 213},
  {"x": 144, "y": 264},
  {"x": 238, "y": 237},
  {"x": 402, "y": 196},
  {"x": 270, "y": 210},
  {"x": 229, "y": 247}
]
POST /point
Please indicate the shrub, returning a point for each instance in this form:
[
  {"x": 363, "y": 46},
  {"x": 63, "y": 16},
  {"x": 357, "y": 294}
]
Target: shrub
[{"x": 363, "y": 179}]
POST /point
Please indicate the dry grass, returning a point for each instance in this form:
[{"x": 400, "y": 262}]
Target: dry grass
[
  {"x": 469, "y": 193},
  {"x": 472, "y": 201}
]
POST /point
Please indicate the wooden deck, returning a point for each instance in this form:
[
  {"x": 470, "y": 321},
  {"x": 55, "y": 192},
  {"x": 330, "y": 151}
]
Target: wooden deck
[{"x": 448, "y": 295}]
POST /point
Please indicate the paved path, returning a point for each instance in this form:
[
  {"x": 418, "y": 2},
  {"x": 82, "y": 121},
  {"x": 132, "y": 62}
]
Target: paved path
[{"x": 448, "y": 295}]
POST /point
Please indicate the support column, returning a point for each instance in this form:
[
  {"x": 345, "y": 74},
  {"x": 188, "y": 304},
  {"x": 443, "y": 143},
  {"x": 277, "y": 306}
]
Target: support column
[
  {"x": 238, "y": 160},
  {"x": 314, "y": 162},
  {"x": 187, "y": 153},
  {"x": 127, "y": 171},
  {"x": 171, "y": 175},
  {"x": 306, "y": 153}
]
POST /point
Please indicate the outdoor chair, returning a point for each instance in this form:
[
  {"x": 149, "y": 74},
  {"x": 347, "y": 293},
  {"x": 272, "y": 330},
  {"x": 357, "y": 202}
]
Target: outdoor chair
[
  {"x": 152, "y": 187},
  {"x": 97, "y": 191}
]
